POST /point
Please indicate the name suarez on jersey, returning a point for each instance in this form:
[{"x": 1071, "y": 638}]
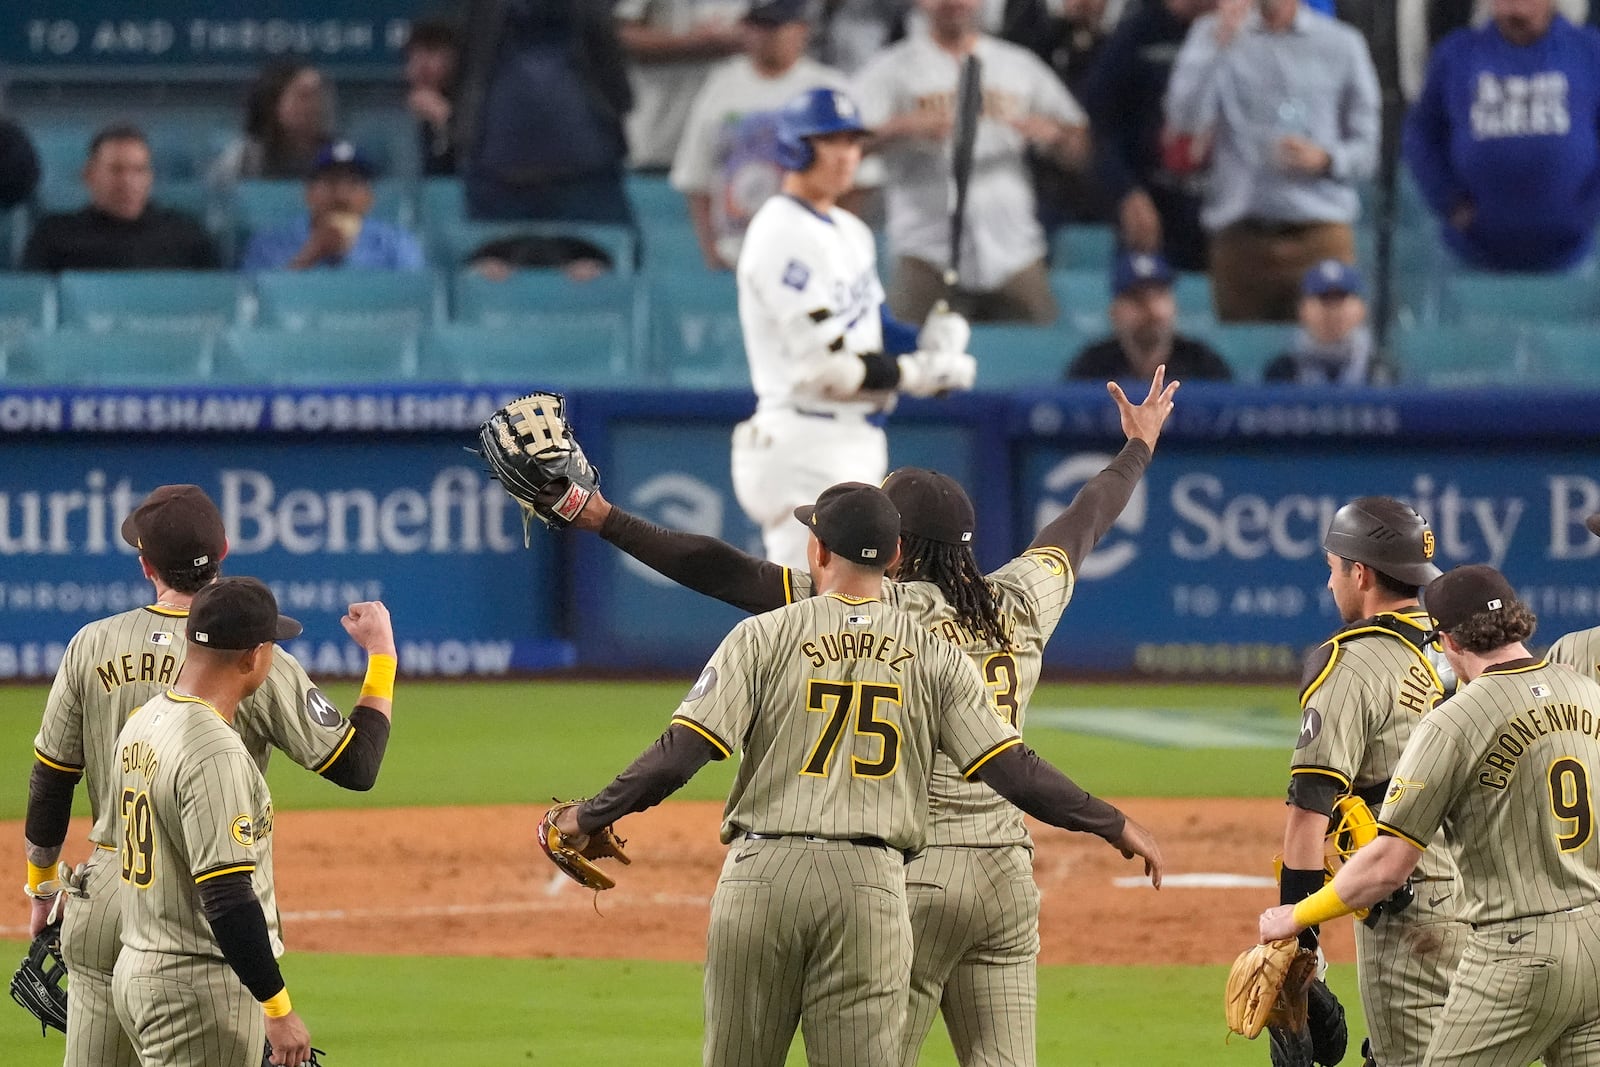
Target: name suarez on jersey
[{"x": 865, "y": 645}]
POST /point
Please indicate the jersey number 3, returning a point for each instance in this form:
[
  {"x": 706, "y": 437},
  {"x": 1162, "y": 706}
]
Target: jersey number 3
[
  {"x": 138, "y": 839},
  {"x": 837, "y": 700}
]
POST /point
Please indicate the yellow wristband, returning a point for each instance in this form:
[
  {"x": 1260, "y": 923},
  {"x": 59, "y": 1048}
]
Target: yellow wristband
[
  {"x": 379, "y": 681},
  {"x": 42, "y": 880},
  {"x": 1320, "y": 907},
  {"x": 277, "y": 1005}
]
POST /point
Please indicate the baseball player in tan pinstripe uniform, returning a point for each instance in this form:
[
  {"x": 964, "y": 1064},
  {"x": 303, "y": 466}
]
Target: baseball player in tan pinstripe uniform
[
  {"x": 839, "y": 703},
  {"x": 1365, "y": 690},
  {"x": 114, "y": 665},
  {"x": 1506, "y": 767},
  {"x": 197, "y": 981},
  {"x": 974, "y": 905},
  {"x": 1580, "y": 650}
]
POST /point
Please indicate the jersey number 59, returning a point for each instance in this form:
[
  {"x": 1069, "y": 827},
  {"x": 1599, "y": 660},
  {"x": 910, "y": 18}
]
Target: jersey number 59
[{"x": 138, "y": 839}]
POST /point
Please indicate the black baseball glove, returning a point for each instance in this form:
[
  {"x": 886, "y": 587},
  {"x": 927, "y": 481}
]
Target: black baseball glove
[
  {"x": 1330, "y": 1035},
  {"x": 531, "y": 450},
  {"x": 266, "y": 1057},
  {"x": 40, "y": 984}
]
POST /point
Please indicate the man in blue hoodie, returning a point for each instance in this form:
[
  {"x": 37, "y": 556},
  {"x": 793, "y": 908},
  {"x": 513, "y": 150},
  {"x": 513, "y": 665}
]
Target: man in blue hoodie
[{"x": 1505, "y": 139}]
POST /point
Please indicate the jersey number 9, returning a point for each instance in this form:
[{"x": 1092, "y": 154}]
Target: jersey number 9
[{"x": 1571, "y": 802}]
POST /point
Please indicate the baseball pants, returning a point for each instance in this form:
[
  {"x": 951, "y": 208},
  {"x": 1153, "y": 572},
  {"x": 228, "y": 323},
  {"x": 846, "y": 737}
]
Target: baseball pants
[
  {"x": 1404, "y": 967},
  {"x": 1526, "y": 989},
  {"x": 782, "y": 459},
  {"x": 91, "y": 937},
  {"x": 975, "y": 933},
  {"x": 813, "y": 934},
  {"x": 187, "y": 1011}
]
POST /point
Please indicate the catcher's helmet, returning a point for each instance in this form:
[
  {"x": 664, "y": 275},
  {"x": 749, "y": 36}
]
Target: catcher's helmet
[
  {"x": 1386, "y": 535},
  {"x": 812, "y": 114}
]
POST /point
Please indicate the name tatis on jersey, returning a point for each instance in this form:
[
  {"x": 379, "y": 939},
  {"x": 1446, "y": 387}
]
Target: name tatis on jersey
[
  {"x": 838, "y": 647},
  {"x": 1501, "y": 762},
  {"x": 159, "y": 668}
]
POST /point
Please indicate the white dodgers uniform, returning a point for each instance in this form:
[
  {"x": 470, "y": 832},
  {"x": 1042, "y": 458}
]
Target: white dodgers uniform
[{"x": 797, "y": 261}]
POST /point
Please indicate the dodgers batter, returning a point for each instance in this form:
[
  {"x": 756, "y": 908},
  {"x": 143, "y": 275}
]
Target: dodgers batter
[
  {"x": 838, "y": 703},
  {"x": 826, "y": 359},
  {"x": 114, "y": 665},
  {"x": 1506, "y": 768}
]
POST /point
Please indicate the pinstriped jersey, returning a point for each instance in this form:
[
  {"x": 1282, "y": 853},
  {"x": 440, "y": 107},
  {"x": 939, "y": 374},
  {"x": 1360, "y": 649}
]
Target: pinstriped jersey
[
  {"x": 1507, "y": 766},
  {"x": 114, "y": 664},
  {"x": 838, "y": 705},
  {"x": 191, "y": 806},
  {"x": 1031, "y": 593},
  {"x": 1579, "y": 650},
  {"x": 1370, "y": 685}
]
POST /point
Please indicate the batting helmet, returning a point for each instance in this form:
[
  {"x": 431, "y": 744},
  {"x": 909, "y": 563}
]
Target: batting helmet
[
  {"x": 1386, "y": 535},
  {"x": 812, "y": 114}
]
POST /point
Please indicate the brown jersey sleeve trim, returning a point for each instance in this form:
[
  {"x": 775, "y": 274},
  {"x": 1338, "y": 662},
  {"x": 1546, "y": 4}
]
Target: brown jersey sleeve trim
[
  {"x": 1385, "y": 828},
  {"x": 228, "y": 868},
  {"x": 972, "y": 769},
  {"x": 58, "y": 765},
  {"x": 344, "y": 742},
  {"x": 718, "y": 743}
]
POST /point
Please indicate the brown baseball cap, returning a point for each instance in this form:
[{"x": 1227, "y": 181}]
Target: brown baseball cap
[
  {"x": 177, "y": 526},
  {"x": 931, "y": 505},
  {"x": 1458, "y": 595},
  {"x": 854, "y": 520},
  {"x": 235, "y": 614}
]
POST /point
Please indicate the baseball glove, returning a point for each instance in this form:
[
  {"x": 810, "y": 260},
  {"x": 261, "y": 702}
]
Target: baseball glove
[
  {"x": 1330, "y": 1035},
  {"x": 1267, "y": 985},
  {"x": 531, "y": 450},
  {"x": 577, "y": 863},
  {"x": 314, "y": 1061},
  {"x": 40, "y": 983}
]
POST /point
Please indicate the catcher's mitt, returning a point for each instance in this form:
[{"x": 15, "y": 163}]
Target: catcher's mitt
[
  {"x": 1330, "y": 1034},
  {"x": 266, "y": 1057},
  {"x": 577, "y": 863},
  {"x": 40, "y": 983},
  {"x": 531, "y": 450},
  {"x": 1268, "y": 985}
]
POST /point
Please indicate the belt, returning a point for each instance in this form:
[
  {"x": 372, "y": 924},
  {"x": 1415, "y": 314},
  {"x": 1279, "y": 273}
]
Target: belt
[
  {"x": 865, "y": 842},
  {"x": 876, "y": 418}
]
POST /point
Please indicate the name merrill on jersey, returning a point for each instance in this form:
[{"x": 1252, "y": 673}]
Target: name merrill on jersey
[
  {"x": 146, "y": 667},
  {"x": 845, "y": 645},
  {"x": 1501, "y": 762}
]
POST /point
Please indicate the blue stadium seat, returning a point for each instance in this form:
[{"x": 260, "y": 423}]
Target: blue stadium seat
[
  {"x": 1456, "y": 357},
  {"x": 150, "y": 301},
  {"x": 319, "y": 357},
  {"x": 694, "y": 337},
  {"x": 1192, "y": 289},
  {"x": 530, "y": 300},
  {"x": 1021, "y": 356},
  {"x": 653, "y": 198},
  {"x": 1247, "y": 347},
  {"x": 669, "y": 246},
  {"x": 263, "y": 203},
  {"x": 62, "y": 146},
  {"x": 1084, "y": 297},
  {"x": 563, "y": 354},
  {"x": 449, "y": 243},
  {"x": 27, "y": 303},
  {"x": 1471, "y": 297},
  {"x": 387, "y": 300},
  {"x": 183, "y": 146},
  {"x": 441, "y": 201},
  {"x": 1564, "y": 353},
  {"x": 82, "y": 357},
  {"x": 388, "y": 137},
  {"x": 1083, "y": 246}
]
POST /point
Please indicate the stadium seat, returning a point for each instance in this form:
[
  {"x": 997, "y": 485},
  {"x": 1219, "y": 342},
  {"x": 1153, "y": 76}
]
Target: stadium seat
[
  {"x": 694, "y": 335},
  {"x": 62, "y": 146},
  {"x": 262, "y": 203},
  {"x": 1471, "y": 297},
  {"x": 653, "y": 198},
  {"x": 450, "y": 243},
  {"x": 441, "y": 201},
  {"x": 183, "y": 146},
  {"x": 1247, "y": 347},
  {"x": 83, "y": 357},
  {"x": 530, "y": 300},
  {"x": 1083, "y": 247},
  {"x": 1019, "y": 356},
  {"x": 1564, "y": 353},
  {"x": 669, "y": 246},
  {"x": 1454, "y": 356},
  {"x": 562, "y": 354},
  {"x": 27, "y": 303},
  {"x": 150, "y": 301},
  {"x": 319, "y": 357},
  {"x": 1084, "y": 297},
  {"x": 385, "y": 300},
  {"x": 388, "y": 138},
  {"x": 1192, "y": 289}
]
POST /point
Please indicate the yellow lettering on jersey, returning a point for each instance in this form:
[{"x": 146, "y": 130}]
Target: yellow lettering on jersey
[
  {"x": 836, "y": 648},
  {"x": 147, "y": 668},
  {"x": 139, "y": 758}
]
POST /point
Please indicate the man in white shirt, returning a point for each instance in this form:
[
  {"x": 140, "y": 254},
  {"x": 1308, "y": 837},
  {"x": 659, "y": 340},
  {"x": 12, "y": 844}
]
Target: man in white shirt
[
  {"x": 826, "y": 359},
  {"x": 671, "y": 47},
  {"x": 908, "y": 97}
]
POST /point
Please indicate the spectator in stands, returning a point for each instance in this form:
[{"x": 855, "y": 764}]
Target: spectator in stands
[
  {"x": 335, "y": 231},
  {"x": 1144, "y": 316},
  {"x": 575, "y": 257},
  {"x": 725, "y": 164},
  {"x": 1505, "y": 140},
  {"x": 120, "y": 229},
  {"x": 1334, "y": 345},
  {"x": 432, "y": 58},
  {"x": 1282, "y": 103},
  {"x": 1158, "y": 207},
  {"x": 907, "y": 97},
  {"x": 1075, "y": 38},
  {"x": 672, "y": 46},
  {"x": 850, "y": 32},
  {"x": 539, "y": 112},
  {"x": 19, "y": 165},
  {"x": 288, "y": 120}
]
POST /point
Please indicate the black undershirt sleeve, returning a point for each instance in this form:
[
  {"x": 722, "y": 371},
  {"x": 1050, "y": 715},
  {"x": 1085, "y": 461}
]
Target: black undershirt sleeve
[
  {"x": 1019, "y": 775},
  {"x": 49, "y": 805},
  {"x": 230, "y": 905},
  {"x": 357, "y": 766},
  {"x": 706, "y": 565},
  {"x": 883, "y": 372},
  {"x": 660, "y": 771},
  {"x": 1314, "y": 792},
  {"x": 1079, "y": 528}
]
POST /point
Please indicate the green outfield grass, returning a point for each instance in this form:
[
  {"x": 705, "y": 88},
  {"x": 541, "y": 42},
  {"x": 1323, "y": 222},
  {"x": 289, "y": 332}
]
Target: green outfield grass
[{"x": 493, "y": 1013}]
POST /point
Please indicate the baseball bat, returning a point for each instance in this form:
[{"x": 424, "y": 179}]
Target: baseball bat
[{"x": 969, "y": 103}]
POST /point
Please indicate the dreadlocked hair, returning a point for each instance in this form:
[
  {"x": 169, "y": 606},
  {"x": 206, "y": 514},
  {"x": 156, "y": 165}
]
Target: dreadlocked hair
[{"x": 954, "y": 569}]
